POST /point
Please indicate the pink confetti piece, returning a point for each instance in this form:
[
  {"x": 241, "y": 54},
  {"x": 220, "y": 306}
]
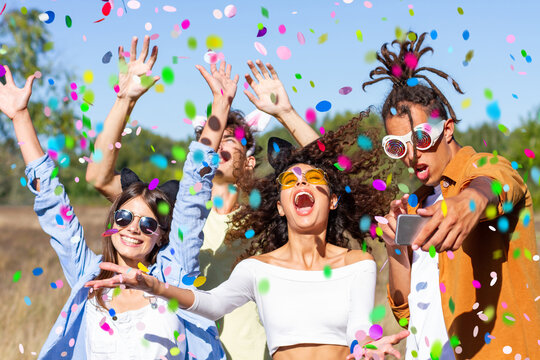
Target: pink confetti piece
[
  {"x": 376, "y": 332},
  {"x": 301, "y": 38},
  {"x": 381, "y": 220},
  {"x": 167, "y": 271},
  {"x": 321, "y": 130},
  {"x": 154, "y": 36},
  {"x": 311, "y": 115},
  {"x": 197, "y": 187},
  {"x": 360, "y": 335},
  {"x": 230, "y": 11},
  {"x": 368, "y": 4},
  {"x": 476, "y": 284},
  {"x": 450, "y": 254},
  {"x": 529, "y": 153},
  {"x": 510, "y": 39},
  {"x": 282, "y": 29},
  {"x": 379, "y": 185},
  {"x": 153, "y": 184},
  {"x": 260, "y": 48},
  {"x": 185, "y": 24},
  {"x": 169, "y": 8},
  {"x": 442, "y": 287}
]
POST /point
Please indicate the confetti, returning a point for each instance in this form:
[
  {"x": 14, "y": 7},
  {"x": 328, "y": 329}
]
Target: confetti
[
  {"x": 199, "y": 281},
  {"x": 255, "y": 199},
  {"x": 433, "y": 34},
  {"x": 214, "y": 42},
  {"x": 377, "y": 314},
  {"x": 262, "y": 32},
  {"x": 368, "y": 4},
  {"x": 17, "y": 276},
  {"x": 359, "y": 35},
  {"x": 301, "y": 38},
  {"x": 260, "y": 48},
  {"x": 185, "y": 24},
  {"x": 143, "y": 268},
  {"x": 322, "y": 39},
  {"x": 529, "y": 153},
  {"x": 365, "y": 223},
  {"x": 364, "y": 142},
  {"x": 376, "y": 331},
  {"x": 466, "y": 35},
  {"x": 323, "y": 106},
  {"x": 69, "y": 22},
  {"x": 444, "y": 208},
  {"x": 27, "y": 301},
  {"x": 403, "y": 188},
  {"x": 311, "y": 115},
  {"x": 250, "y": 233},
  {"x": 321, "y": 145},
  {"x": 381, "y": 220},
  {"x": 133, "y": 4},
  {"x": 413, "y": 200},
  {"x": 345, "y": 90},
  {"x": 169, "y": 8},
  {"x": 493, "y": 111},
  {"x": 282, "y": 29},
  {"x": 283, "y": 52},
  {"x": 510, "y": 39},
  {"x": 264, "y": 12},
  {"x": 37, "y": 271},
  {"x": 263, "y": 286},
  {"x": 189, "y": 108},
  {"x": 379, "y": 185},
  {"x": 217, "y": 14},
  {"x": 412, "y": 82},
  {"x": 230, "y": 11},
  {"x": 327, "y": 271}
]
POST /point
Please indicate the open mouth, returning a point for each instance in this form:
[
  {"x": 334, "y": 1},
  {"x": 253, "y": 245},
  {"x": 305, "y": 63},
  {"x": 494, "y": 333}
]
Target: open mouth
[
  {"x": 128, "y": 241},
  {"x": 304, "y": 202},
  {"x": 422, "y": 171}
]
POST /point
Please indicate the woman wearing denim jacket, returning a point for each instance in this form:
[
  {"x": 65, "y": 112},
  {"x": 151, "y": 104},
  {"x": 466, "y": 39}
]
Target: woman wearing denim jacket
[{"x": 94, "y": 326}]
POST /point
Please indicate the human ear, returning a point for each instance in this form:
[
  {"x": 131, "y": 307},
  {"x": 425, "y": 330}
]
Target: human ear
[
  {"x": 449, "y": 127},
  {"x": 334, "y": 202},
  {"x": 280, "y": 209}
]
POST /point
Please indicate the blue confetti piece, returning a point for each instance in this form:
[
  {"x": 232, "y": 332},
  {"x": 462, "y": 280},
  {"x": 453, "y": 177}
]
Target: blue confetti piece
[
  {"x": 413, "y": 200},
  {"x": 27, "y": 301},
  {"x": 421, "y": 286},
  {"x": 515, "y": 165},
  {"x": 422, "y": 306},
  {"x": 276, "y": 147},
  {"x": 526, "y": 220},
  {"x": 51, "y": 17},
  {"x": 198, "y": 156},
  {"x": 232, "y": 189},
  {"x": 535, "y": 174},
  {"x": 172, "y": 251},
  {"x": 37, "y": 271},
  {"x": 218, "y": 202},
  {"x": 59, "y": 219},
  {"x": 255, "y": 199},
  {"x": 64, "y": 160},
  {"x": 528, "y": 58},
  {"x": 99, "y": 127},
  {"x": 205, "y": 163},
  {"x": 472, "y": 206},
  {"x": 466, "y": 35},
  {"x": 493, "y": 110},
  {"x": 365, "y": 223},
  {"x": 323, "y": 106},
  {"x": 13, "y": 166},
  {"x": 188, "y": 280},
  {"x": 398, "y": 252},
  {"x": 244, "y": 141},
  {"x": 51, "y": 82},
  {"x": 23, "y": 181},
  {"x": 507, "y": 206},
  {"x": 412, "y": 82},
  {"x": 393, "y": 111},
  {"x": 503, "y": 224},
  {"x": 97, "y": 155},
  {"x": 159, "y": 160},
  {"x": 364, "y": 143},
  {"x": 348, "y": 189},
  {"x": 433, "y": 34},
  {"x": 512, "y": 57},
  {"x": 514, "y": 96},
  {"x": 487, "y": 339},
  {"x": 53, "y": 285},
  {"x": 353, "y": 344},
  {"x": 215, "y": 159},
  {"x": 107, "y": 57},
  {"x": 112, "y": 312},
  {"x": 250, "y": 233},
  {"x": 53, "y": 103}
]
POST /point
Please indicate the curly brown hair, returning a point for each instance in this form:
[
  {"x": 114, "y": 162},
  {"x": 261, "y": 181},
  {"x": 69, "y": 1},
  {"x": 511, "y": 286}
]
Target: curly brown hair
[{"x": 352, "y": 186}]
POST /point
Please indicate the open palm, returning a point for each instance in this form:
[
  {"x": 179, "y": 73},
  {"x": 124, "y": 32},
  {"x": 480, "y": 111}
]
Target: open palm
[
  {"x": 12, "y": 98},
  {"x": 271, "y": 96},
  {"x": 134, "y": 78},
  {"x": 129, "y": 277},
  {"x": 220, "y": 80}
]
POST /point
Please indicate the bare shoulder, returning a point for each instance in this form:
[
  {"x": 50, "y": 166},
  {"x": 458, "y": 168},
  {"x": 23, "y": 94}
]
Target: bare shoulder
[{"x": 355, "y": 256}]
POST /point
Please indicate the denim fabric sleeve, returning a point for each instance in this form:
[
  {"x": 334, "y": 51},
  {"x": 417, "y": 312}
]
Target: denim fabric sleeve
[
  {"x": 57, "y": 219},
  {"x": 190, "y": 211}
]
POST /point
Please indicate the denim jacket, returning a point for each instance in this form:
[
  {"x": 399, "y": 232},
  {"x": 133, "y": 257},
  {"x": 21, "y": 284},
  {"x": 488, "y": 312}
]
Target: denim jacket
[{"x": 80, "y": 264}]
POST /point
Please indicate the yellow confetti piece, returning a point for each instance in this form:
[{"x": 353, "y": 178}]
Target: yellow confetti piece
[
  {"x": 378, "y": 231},
  {"x": 88, "y": 76},
  {"x": 141, "y": 267},
  {"x": 466, "y": 103},
  {"x": 199, "y": 281},
  {"x": 444, "y": 208},
  {"x": 322, "y": 38},
  {"x": 214, "y": 42},
  {"x": 160, "y": 88},
  {"x": 389, "y": 179},
  {"x": 359, "y": 35}
]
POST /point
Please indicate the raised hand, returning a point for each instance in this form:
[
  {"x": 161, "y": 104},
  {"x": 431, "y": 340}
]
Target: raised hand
[
  {"x": 135, "y": 77},
  {"x": 383, "y": 347},
  {"x": 271, "y": 96},
  {"x": 131, "y": 278},
  {"x": 220, "y": 81},
  {"x": 397, "y": 207},
  {"x": 14, "y": 100}
]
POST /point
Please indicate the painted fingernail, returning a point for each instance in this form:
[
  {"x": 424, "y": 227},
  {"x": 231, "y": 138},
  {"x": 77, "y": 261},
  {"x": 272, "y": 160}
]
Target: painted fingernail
[{"x": 414, "y": 246}]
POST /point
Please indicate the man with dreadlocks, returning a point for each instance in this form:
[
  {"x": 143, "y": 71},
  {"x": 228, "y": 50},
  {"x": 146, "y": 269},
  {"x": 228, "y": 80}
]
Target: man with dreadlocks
[{"x": 476, "y": 298}]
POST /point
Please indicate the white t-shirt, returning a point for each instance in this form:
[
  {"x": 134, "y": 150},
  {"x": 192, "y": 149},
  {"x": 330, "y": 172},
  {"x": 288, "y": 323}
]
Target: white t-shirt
[
  {"x": 142, "y": 334},
  {"x": 241, "y": 332},
  {"x": 297, "y": 306},
  {"x": 426, "y": 317}
]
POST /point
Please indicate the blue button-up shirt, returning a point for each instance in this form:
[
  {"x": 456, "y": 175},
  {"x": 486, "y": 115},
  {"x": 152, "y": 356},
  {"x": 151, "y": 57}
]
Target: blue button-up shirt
[{"x": 80, "y": 264}]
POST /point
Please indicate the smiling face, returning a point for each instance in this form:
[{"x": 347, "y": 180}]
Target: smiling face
[
  {"x": 430, "y": 163},
  {"x": 133, "y": 245},
  {"x": 306, "y": 206}
]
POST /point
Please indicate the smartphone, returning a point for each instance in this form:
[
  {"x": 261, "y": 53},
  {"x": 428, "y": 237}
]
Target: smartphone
[{"x": 408, "y": 227}]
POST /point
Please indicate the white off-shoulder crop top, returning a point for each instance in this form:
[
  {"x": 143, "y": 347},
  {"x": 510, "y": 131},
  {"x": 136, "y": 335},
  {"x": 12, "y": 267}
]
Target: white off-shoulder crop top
[{"x": 297, "y": 306}]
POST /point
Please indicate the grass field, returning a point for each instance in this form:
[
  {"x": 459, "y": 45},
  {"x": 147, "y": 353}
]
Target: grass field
[{"x": 24, "y": 328}]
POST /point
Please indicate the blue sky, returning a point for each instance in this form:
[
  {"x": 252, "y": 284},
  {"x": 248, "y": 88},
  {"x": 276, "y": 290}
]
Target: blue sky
[{"x": 338, "y": 62}]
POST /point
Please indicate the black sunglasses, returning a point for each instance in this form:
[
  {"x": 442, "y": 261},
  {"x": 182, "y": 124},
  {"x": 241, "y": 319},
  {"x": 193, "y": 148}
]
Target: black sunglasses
[{"x": 124, "y": 217}]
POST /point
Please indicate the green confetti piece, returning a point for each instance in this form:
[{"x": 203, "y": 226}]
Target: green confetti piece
[
  {"x": 24, "y": 11},
  {"x": 414, "y": 353},
  {"x": 489, "y": 311},
  {"x": 403, "y": 322},
  {"x": 370, "y": 346},
  {"x": 116, "y": 292},
  {"x": 298, "y": 76},
  {"x": 327, "y": 271},
  {"x": 85, "y": 135},
  {"x": 273, "y": 98},
  {"x": 482, "y": 161},
  {"x": 68, "y": 21},
  {"x": 523, "y": 53},
  {"x": 163, "y": 208},
  {"x": 152, "y": 147},
  {"x": 378, "y": 313},
  {"x": 17, "y": 276},
  {"x": 517, "y": 253},
  {"x": 469, "y": 55},
  {"x": 432, "y": 251},
  {"x": 145, "y": 343},
  {"x": 54, "y": 173},
  {"x": 84, "y": 107},
  {"x": 58, "y": 190},
  {"x": 172, "y": 305},
  {"x": 48, "y": 46},
  {"x": 263, "y": 286},
  {"x": 497, "y": 254},
  {"x": 167, "y": 74},
  {"x": 496, "y": 187},
  {"x": 411, "y": 12},
  {"x": 460, "y": 11},
  {"x": 264, "y": 12},
  {"x": 399, "y": 33},
  {"x": 436, "y": 350},
  {"x": 214, "y": 42},
  {"x": 180, "y": 235},
  {"x": 508, "y": 319},
  {"x": 312, "y": 84},
  {"x": 260, "y": 26},
  {"x": 413, "y": 330},
  {"x": 189, "y": 108},
  {"x": 322, "y": 39},
  {"x": 359, "y": 35},
  {"x": 488, "y": 94},
  {"x": 527, "y": 254},
  {"x": 491, "y": 211},
  {"x": 89, "y": 96},
  {"x": 70, "y": 142},
  {"x": 192, "y": 190},
  {"x": 371, "y": 57},
  {"x": 176, "y": 334},
  {"x": 209, "y": 204},
  {"x": 178, "y": 153},
  {"x": 192, "y": 43},
  {"x": 294, "y": 89},
  {"x": 208, "y": 110},
  {"x": 411, "y": 36},
  {"x": 86, "y": 122},
  {"x": 451, "y": 305},
  {"x": 454, "y": 341},
  {"x": 403, "y": 188},
  {"x": 147, "y": 81},
  {"x": 174, "y": 351},
  {"x": 338, "y": 167}
]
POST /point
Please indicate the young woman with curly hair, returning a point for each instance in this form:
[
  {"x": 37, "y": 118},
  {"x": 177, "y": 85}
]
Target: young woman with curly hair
[{"x": 314, "y": 294}]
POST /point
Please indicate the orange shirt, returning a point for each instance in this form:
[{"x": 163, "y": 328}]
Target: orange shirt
[{"x": 490, "y": 286}]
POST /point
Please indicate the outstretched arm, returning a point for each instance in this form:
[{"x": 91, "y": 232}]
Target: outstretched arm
[
  {"x": 134, "y": 80},
  {"x": 272, "y": 98}
]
